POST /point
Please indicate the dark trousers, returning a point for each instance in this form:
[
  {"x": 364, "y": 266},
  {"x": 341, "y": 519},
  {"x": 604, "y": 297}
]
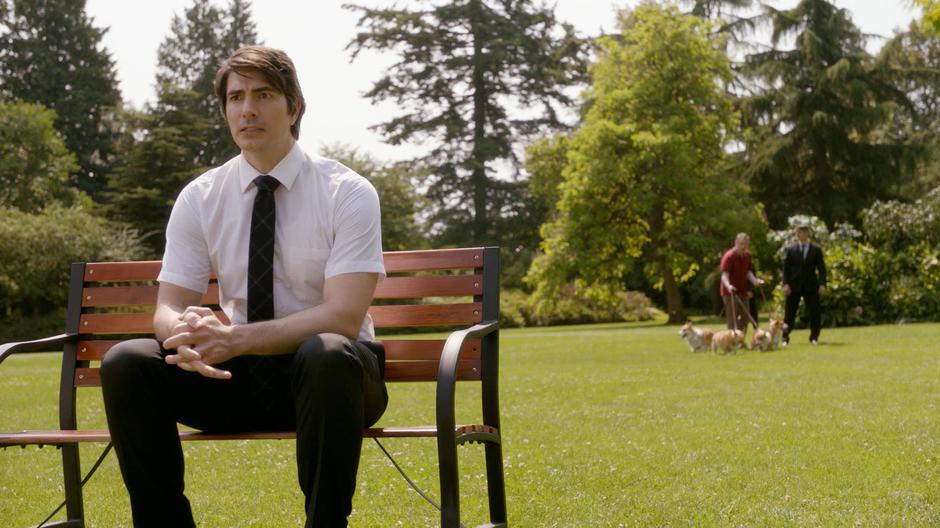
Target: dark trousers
[
  {"x": 327, "y": 391},
  {"x": 811, "y": 298}
]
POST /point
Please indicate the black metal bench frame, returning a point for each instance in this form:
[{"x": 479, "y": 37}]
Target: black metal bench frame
[{"x": 481, "y": 337}]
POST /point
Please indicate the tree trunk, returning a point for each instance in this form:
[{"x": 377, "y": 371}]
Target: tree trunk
[
  {"x": 670, "y": 286},
  {"x": 478, "y": 157},
  {"x": 673, "y": 296}
]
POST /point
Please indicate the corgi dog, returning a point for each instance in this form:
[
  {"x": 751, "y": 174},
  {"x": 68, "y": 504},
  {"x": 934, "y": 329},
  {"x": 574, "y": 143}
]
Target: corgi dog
[
  {"x": 761, "y": 340},
  {"x": 698, "y": 338},
  {"x": 776, "y": 328},
  {"x": 727, "y": 341}
]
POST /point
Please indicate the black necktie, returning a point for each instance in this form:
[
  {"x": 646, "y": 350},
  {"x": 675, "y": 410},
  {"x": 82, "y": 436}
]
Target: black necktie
[{"x": 261, "y": 251}]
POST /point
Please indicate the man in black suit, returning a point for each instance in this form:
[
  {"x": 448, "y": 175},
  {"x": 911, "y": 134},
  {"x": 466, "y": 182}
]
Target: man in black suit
[{"x": 804, "y": 276}]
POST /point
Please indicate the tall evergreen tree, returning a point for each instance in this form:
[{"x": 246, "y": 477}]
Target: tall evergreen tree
[
  {"x": 51, "y": 54},
  {"x": 734, "y": 17},
  {"x": 474, "y": 77},
  {"x": 911, "y": 60},
  {"x": 199, "y": 40},
  {"x": 812, "y": 146},
  {"x": 184, "y": 132}
]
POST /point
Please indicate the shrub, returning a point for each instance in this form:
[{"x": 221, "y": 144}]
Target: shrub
[
  {"x": 519, "y": 309},
  {"x": 893, "y": 275},
  {"x": 37, "y": 249}
]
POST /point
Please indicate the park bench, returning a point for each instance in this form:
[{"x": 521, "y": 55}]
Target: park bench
[{"x": 455, "y": 289}]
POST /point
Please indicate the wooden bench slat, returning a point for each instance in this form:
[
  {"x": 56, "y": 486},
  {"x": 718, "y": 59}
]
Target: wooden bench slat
[
  {"x": 429, "y": 286},
  {"x": 395, "y": 349},
  {"x": 395, "y": 262},
  {"x": 395, "y": 371},
  {"x": 410, "y": 315},
  {"x": 390, "y": 288},
  {"x": 391, "y": 316},
  {"x": 433, "y": 259},
  {"x": 71, "y": 436},
  {"x": 113, "y": 296},
  {"x": 144, "y": 270},
  {"x": 427, "y": 370},
  {"x": 425, "y": 349},
  {"x": 123, "y": 323}
]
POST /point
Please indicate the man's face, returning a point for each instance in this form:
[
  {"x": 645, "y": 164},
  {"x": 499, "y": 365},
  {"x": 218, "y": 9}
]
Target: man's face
[
  {"x": 257, "y": 114},
  {"x": 802, "y": 235},
  {"x": 741, "y": 244}
]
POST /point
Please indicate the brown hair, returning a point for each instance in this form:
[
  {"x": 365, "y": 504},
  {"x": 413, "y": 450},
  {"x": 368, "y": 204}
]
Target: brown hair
[{"x": 275, "y": 67}]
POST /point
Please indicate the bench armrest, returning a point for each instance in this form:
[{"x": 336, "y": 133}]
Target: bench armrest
[
  {"x": 447, "y": 372},
  {"x": 46, "y": 344}
]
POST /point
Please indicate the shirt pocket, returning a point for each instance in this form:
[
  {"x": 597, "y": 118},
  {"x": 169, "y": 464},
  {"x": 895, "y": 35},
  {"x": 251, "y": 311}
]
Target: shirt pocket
[{"x": 304, "y": 267}]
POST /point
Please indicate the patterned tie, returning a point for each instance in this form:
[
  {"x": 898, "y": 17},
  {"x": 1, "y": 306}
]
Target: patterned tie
[
  {"x": 264, "y": 373},
  {"x": 261, "y": 251}
]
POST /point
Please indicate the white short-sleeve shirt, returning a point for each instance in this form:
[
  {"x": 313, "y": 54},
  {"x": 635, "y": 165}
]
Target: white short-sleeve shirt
[{"x": 328, "y": 223}]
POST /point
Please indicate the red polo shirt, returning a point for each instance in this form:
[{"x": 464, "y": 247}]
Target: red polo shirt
[{"x": 736, "y": 266}]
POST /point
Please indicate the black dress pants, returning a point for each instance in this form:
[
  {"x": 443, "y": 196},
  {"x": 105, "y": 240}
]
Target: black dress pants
[
  {"x": 327, "y": 391},
  {"x": 811, "y": 298}
]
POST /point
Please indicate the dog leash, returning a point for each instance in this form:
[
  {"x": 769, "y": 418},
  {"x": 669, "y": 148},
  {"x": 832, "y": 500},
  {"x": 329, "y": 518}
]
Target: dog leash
[
  {"x": 734, "y": 316},
  {"x": 746, "y": 311}
]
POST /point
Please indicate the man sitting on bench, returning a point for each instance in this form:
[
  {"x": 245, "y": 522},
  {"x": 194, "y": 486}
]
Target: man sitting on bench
[{"x": 295, "y": 243}]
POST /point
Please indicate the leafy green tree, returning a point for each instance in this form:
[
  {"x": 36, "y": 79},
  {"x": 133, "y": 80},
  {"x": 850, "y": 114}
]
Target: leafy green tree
[
  {"x": 199, "y": 41},
  {"x": 399, "y": 201},
  {"x": 34, "y": 163},
  {"x": 911, "y": 60},
  {"x": 931, "y": 18},
  {"x": 464, "y": 67},
  {"x": 37, "y": 248},
  {"x": 813, "y": 118},
  {"x": 51, "y": 54},
  {"x": 642, "y": 183}
]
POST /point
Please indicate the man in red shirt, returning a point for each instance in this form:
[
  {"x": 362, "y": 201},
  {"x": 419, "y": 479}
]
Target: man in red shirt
[{"x": 736, "y": 272}]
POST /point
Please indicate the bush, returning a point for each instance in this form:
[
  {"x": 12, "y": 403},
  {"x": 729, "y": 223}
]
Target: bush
[
  {"x": 894, "y": 275},
  {"x": 519, "y": 309},
  {"x": 37, "y": 249}
]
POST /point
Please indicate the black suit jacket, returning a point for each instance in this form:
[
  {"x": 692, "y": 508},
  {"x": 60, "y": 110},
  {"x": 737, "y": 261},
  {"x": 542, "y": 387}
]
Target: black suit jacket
[{"x": 804, "y": 275}]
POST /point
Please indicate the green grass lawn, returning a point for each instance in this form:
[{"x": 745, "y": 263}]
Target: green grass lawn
[{"x": 604, "y": 425}]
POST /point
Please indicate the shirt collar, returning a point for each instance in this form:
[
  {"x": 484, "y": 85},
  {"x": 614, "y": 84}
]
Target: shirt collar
[{"x": 285, "y": 171}]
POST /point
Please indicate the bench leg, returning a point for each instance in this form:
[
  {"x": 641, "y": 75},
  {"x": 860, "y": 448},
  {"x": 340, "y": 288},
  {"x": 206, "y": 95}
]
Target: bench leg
[
  {"x": 72, "y": 469},
  {"x": 496, "y": 483},
  {"x": 450, "y": 485}
]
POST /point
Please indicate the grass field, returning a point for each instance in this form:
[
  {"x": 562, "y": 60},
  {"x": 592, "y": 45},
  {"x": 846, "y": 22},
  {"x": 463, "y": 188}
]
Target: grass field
[{"x": 604, "y": 425}]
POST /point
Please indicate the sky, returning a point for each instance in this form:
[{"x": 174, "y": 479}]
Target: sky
[{"x": 315, "y": 35}]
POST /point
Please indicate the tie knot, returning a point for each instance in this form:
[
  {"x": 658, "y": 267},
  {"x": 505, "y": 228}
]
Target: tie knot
[{"x": 266, "y": 183}]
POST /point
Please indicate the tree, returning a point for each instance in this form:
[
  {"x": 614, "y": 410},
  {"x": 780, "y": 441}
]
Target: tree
[
  {"x": 931, "y": 19},
  {"x": 464, "y": 69},
  {"x": 157, "y": 160},
  {"x": 642, "y": 182},
  {"x": 812, "y": 119},
  {"x": 184, "y": 132},
  {"x": 399, "y": 201},
  {"x": 199, "y": 41},
  {"x": 34, "y": 163},
  {"x": 727, "y": 16},
  {"x": 51, "y": 54},
  {"x": 911, "y": 60}
]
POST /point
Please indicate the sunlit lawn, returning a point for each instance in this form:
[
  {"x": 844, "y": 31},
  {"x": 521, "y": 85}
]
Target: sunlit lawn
[{"x": 604, "y": 425}]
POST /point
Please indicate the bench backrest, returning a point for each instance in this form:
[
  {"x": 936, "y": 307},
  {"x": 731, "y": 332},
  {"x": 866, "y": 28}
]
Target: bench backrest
[{"x": 427, "y": 289}]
